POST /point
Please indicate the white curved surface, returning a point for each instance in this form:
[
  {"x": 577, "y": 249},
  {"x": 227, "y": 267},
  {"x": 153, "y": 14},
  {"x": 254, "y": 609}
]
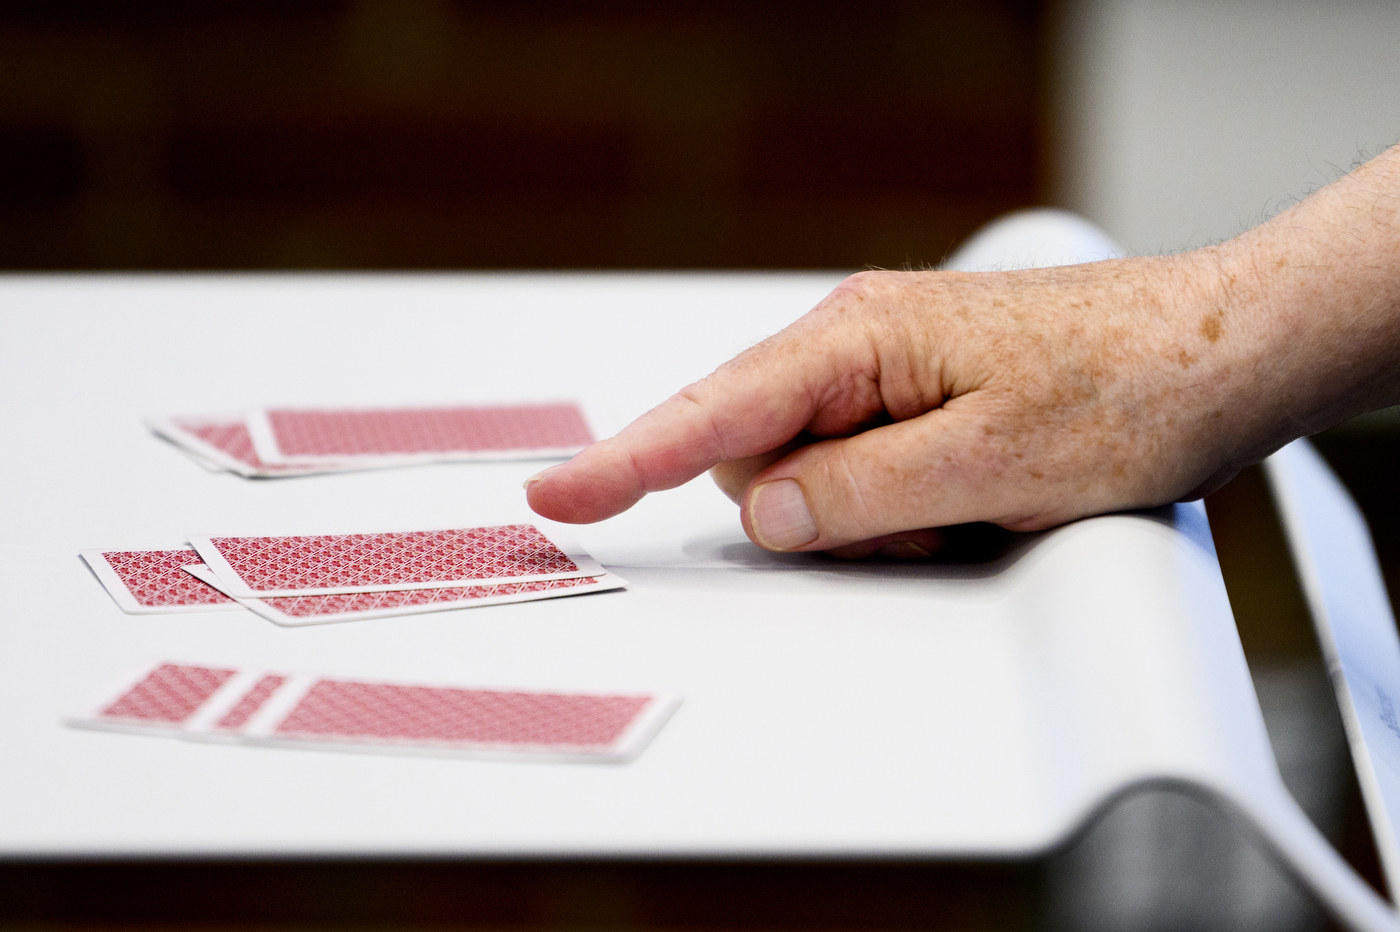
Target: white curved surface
[
  {"x": 1033, "y": 239},
  {"x": 830, "y": 709}
]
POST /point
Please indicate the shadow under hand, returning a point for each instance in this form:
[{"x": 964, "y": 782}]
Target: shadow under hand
[{"x": 966, "y": 551}]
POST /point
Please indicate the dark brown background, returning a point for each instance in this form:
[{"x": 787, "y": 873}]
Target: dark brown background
[{"x": 536, "y": 134}]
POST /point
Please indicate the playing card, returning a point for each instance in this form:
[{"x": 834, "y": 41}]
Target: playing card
[
  {"x": 207, "y": 703},
  {"x": 521, "y": 431},
  {"x": 262, "y": 567},
  {"x": 295, "y": 611},
  {"x": 393, "y": 718},
  {"x": 223, "y": 441},
  {"x": 199, "y": 460},
  {"x": 151, "y": 582},
  {"x": 161, "y": 699}
]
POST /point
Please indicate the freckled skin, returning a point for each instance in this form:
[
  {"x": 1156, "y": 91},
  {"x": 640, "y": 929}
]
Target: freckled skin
[
  {"x": 1211, "y": 327},
  {"x": 907, "y": 401}
]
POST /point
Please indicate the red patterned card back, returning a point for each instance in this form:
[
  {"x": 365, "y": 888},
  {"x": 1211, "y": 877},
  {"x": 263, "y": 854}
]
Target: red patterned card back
[
  {"x": 331, "y": 561},
  {"x": 411, "y": 431},
  {"x": 169, "y": 694},
  {"x": 437, "y": 716},
  {"x": 155, "y": 578}
]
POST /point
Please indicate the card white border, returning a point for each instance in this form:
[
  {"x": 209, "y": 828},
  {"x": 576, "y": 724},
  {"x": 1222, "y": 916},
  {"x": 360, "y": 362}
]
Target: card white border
[
  {"x": 201, "y": 725},
  {"x": 604, "y": 583},
  {"x": 199, "y": 459},
  {"x": 234, "y": 586},
  {"x": 265, "y": 440},
  {"x": 97, "y": 561}
]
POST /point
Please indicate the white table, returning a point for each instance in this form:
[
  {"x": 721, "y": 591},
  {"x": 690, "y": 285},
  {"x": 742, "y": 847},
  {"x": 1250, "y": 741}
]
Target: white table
[{"x": 829, "y": 709}]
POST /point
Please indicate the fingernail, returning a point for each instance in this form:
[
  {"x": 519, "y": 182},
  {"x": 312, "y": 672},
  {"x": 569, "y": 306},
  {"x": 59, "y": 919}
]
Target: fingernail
[
  {"x": 539, "y": 475},
  {"x": 903, "y": 550},
  {"x": 779, "y": 516}
]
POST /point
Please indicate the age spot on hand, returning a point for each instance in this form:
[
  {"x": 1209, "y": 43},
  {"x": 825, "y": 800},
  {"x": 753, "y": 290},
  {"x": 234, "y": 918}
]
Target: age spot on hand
[{"x": 1211, "y": 327}]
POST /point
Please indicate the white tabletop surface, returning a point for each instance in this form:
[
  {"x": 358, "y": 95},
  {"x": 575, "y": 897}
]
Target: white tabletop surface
[{"x": 827, "y": 708}]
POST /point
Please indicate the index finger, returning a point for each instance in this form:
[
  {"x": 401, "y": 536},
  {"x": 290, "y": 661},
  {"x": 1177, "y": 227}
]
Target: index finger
[{"x": 759, "y": 400}]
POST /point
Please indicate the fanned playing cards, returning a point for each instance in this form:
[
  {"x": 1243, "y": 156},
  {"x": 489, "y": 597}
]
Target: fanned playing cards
[
  {"x": 275, "y": 442},
  {"x": 320, "y": 578},
  {"x": 312, "y": 579},
  {"x": 299, "y": 710}
]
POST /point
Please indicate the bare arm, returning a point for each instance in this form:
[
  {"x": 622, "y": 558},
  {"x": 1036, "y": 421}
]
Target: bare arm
[{"x": 912, "y": 400}]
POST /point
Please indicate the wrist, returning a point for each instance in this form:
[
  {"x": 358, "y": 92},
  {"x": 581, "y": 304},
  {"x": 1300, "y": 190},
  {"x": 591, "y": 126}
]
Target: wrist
[
  {"x": 1324, "y": 280},
  {"x": 1233, "y": 400}
]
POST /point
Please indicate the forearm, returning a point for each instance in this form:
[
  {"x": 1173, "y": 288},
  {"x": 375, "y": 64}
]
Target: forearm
[{"x": 1319, "y": 286}]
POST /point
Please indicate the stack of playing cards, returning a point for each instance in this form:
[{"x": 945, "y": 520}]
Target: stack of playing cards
[
  {"x": 292, "y": 442},
  {"x": 309, "y": 711},
  {"x": 319, "y": 578}
]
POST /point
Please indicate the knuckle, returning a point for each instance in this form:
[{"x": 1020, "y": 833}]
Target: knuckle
[
  {"x": 862, "y": 300},
  {"x": 860, "y": 286}
]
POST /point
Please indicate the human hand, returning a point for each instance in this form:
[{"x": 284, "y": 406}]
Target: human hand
[{"x": 908, "y": 401}]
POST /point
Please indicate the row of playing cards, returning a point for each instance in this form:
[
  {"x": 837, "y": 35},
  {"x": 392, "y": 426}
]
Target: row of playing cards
[
  {"x": 309, "y": 711},
  {"x": 319, "y": 578},
  {"x": 297, "y": 442}
]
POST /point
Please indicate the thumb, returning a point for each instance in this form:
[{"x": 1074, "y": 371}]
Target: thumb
[{"x": 919, "y": 473}]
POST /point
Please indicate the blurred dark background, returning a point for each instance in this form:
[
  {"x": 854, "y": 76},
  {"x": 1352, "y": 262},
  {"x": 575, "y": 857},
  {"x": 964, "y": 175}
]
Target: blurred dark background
[{"x": 413, "y": 134}]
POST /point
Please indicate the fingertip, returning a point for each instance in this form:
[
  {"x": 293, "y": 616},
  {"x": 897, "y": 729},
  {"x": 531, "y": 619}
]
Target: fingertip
[
  {"x": 538, "y": 476},
  {"x": 539, "y": 502},
  {"x": 586, "y": 489}
]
